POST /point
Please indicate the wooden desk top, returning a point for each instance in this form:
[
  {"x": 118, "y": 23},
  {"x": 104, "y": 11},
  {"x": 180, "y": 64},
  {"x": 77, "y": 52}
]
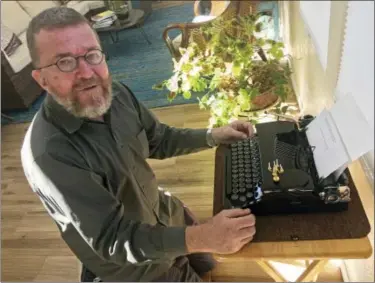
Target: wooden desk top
[
  {"x": 321, "y": 249},
  {"x": 308, "y": 249}
]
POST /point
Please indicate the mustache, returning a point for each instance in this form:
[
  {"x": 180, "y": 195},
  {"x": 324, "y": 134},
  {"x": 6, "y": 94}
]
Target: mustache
[{"x": 87, "y": 83}]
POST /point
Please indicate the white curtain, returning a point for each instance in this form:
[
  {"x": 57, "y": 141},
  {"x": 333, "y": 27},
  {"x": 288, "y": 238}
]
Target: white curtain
[{"x": 357, "y": 65}]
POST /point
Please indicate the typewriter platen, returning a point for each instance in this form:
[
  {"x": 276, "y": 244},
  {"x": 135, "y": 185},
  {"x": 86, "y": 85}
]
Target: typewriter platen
[{"x": 274, "y": 173}]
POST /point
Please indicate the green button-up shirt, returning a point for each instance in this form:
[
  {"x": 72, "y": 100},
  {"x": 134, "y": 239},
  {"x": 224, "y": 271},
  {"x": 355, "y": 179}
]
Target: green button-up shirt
[{"x": 94, "y": 180}]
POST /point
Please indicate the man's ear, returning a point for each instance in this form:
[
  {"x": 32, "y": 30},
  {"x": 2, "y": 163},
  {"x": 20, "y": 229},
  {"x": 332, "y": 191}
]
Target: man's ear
[{"x": 39, "y": 78}]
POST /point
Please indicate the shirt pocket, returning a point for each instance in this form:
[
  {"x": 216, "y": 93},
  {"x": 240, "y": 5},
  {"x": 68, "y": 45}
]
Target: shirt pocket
[{"x": 143, "y": 143}]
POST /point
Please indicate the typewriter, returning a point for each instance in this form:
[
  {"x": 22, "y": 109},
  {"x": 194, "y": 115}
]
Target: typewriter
[{"x": 274, "y": 173}]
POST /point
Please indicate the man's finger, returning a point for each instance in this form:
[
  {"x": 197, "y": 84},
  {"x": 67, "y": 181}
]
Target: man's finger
[
  {"x": 250, "y": 129},
  {"x": 247, "y": 232},
  {"x": 236, "y": 212},
  {"x": 245, "y": 221},
  {"x": 237, "y": 134},
  {"x": 246, "y": 240},
  {"x": 243, "y": 126}
]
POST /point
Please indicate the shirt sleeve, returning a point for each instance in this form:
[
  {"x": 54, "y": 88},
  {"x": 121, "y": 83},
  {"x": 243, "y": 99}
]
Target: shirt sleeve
[
  {"x": 166, "y": 141},
  {"x": 76, "y": 196}
]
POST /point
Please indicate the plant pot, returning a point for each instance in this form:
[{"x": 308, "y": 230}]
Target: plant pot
[{"x": 263, "y": 101}]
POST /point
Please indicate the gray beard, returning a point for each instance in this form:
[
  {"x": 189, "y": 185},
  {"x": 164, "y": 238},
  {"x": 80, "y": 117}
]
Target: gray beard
[{"x": 90, "y": 112}]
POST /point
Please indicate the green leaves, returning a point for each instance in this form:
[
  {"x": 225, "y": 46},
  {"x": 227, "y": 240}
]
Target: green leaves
[
  {"x": 186, "y": 94},
  {"x": 159, "y": 86},
  {"x": 225, "y": 70},
  {"x": 243, "y": 99},
  {"x": 236, "y": 68}
]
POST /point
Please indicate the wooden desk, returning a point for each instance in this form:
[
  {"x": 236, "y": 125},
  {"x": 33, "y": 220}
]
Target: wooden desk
[{"x": 319, "y": 251}]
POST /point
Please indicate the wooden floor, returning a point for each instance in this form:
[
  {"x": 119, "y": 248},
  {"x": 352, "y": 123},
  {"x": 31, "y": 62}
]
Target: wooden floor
[{"x": 31, "y": 247}]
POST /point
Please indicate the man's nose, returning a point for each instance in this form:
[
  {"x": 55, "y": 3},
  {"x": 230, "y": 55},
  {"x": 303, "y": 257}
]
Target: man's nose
[{"x": 84, "y": 69}]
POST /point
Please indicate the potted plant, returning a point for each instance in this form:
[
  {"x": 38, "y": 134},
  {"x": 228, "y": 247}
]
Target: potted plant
[{"x": 235, "y": 71}]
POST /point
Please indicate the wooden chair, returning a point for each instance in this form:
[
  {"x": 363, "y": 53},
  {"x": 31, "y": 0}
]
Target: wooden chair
[{"x": 190, "y": 32}]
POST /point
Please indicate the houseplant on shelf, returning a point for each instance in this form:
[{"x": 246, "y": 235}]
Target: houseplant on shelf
[{"x": 236, "y": 72}]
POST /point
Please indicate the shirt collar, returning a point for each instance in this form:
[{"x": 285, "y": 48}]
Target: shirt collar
[{"x": 59, "y": 116}]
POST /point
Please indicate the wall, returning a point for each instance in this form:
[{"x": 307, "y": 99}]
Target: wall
[{"x": 314, "y": 88}]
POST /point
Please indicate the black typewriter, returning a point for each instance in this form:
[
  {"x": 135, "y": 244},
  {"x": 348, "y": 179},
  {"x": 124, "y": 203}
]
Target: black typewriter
[{"x": 274, "y": 173}]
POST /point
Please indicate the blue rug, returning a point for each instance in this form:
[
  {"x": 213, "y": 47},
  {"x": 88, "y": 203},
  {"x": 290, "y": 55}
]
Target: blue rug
[{"x": 134, "y": 62}]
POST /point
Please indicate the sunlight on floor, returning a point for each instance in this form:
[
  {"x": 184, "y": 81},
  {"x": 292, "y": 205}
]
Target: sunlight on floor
[{"x": 291, "y": 272}]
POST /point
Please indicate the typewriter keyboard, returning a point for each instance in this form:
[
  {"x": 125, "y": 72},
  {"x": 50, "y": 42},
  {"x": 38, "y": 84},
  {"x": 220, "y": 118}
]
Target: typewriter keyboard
[{"x": 245, "y": 171}]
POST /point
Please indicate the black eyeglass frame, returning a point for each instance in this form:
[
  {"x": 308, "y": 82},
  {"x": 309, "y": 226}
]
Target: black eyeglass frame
[{"x": 76, "y": 60}]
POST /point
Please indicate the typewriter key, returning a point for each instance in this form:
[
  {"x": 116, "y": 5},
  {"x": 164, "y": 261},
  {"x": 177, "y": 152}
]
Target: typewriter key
[
  {"x": 241, "y": 184},
  {"x": 234, "y": 171},
  {"x": 242, "y": 179},
  {"x": 242, "y": 198},
  {"x": 242, "y": 190},
  {"x": 249, "y": 186},
  {"x": 249, "y": 194},
  {"x": 240, "y": 165},
  {"x": 234, "y": 197},
  {"x": 241, "y": 170},
  {"x": 235, "y": 191},
  {"x": 234, "y": 162},
  {"x": 235, "y": 184},
  {"x": 248, "y": 180}
]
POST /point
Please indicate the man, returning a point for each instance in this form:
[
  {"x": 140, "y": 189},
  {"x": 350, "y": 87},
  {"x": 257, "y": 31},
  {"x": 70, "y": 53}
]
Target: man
[{"x": 85, "y": 156}]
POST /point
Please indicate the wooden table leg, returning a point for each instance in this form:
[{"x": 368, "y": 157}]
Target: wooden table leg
[
  {"x": 309, "y": 275},
  {"x": 312, "y": 271},
  {"x": 271, "y": 271}
]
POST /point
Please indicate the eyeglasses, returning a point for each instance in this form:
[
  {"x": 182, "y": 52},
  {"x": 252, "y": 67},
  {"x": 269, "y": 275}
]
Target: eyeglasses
[{"x": 69, "y": 63}]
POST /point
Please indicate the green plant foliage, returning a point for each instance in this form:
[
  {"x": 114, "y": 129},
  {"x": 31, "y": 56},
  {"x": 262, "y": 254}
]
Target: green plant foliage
[{"x": 232, "y": 69}]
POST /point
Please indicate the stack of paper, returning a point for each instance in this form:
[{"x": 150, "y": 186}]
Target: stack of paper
[
  {"x": 339, "y": 136},
  {"x": 104, "y": 19}
]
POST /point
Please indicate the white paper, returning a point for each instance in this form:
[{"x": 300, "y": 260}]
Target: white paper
[
  {"x": 329, "y": 150},
  {"x": 353, "y": 126}
]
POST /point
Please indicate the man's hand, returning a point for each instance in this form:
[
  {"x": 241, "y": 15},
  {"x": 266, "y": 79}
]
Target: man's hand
[
  {"x": 235, "y": 131},
  {"x": 226, "y": 233}
]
